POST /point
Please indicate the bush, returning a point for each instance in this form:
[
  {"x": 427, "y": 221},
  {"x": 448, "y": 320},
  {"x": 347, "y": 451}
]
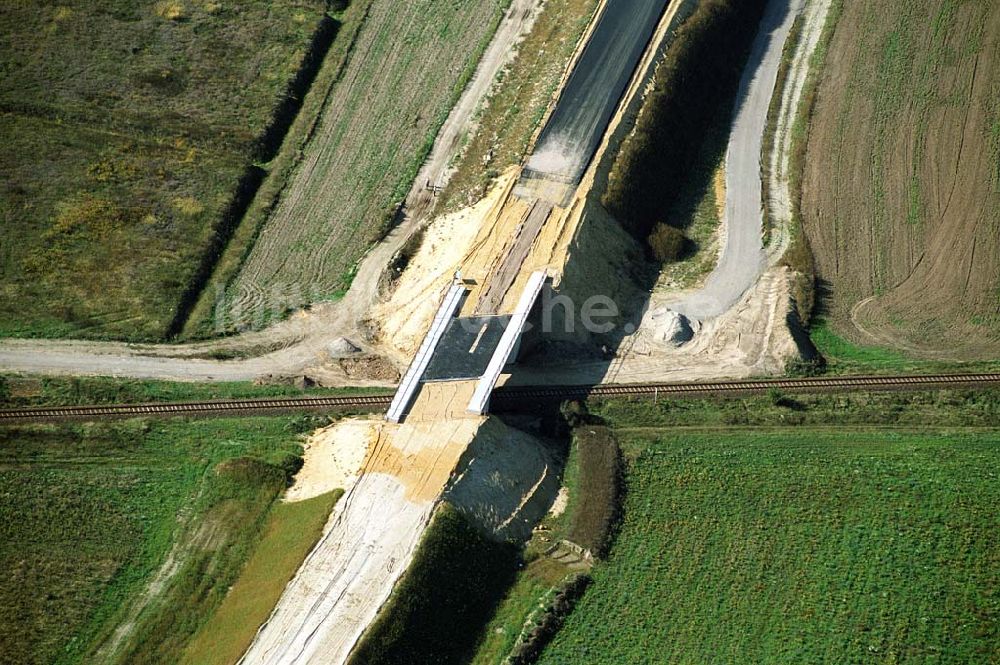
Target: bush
[
  {"x": 290, "y": 464},
  {"x": 799, "y": 258},
  {"x": 574, "y": 413},
  {"x": 666, "y": 243},
  {"x": 529, "y": 651},
  {"x": 693, "y": 83}
]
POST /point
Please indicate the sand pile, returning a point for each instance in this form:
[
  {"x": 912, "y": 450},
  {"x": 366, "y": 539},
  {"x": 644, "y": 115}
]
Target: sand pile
[{"x": 332, "y": 458}]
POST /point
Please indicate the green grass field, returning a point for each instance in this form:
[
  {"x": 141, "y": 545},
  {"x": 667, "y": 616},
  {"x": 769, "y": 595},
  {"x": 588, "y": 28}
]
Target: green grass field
[
  {"x": 127, "y": 126},
  {"x": 90, "y": 513},
  {"x": 799, "y": 546}
]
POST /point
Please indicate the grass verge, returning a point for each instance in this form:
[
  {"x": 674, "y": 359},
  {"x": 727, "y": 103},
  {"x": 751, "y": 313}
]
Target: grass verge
[
  {"x": 771, "y": 127},
  {"x": 696, "y": 210},
  {"x": 595, "y": 481},
  {"x": 546, "y": 588},
  {"x": 799, "y": 256},
  {"x": 943, "y": 408},
  {"x": 291, "y": 531},
  {"x": 22, "y": 391},
  {"x": 845, "y": 357},
  {"x": 528, "y": 596}
]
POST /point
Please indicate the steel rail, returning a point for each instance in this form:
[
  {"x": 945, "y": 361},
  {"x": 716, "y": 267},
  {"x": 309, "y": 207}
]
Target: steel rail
[{"x": 505, "y": 397}]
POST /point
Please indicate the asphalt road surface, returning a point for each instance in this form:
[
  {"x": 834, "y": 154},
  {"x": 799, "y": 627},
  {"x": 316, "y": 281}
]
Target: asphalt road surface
[{"x": 594, "y": 88}]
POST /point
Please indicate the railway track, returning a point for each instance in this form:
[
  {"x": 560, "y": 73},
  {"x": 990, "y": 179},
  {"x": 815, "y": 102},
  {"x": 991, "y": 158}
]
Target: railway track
[
  {"x": 814, "y": 384},
  {"x": 209, "y": 407},
  {"x": 503, "y": 398}
]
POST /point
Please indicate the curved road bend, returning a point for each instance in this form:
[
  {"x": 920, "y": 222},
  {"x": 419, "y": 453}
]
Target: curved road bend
[{"x": 743, "y": 259}]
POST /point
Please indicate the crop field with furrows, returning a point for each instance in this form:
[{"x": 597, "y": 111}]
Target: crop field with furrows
[
  {"x": 901, "y": 184},
  {"x": 91, "y": 514},
  {"x": 792, "y": 546},
  {"x": 127, "y": 127},
  {"x": 408, "y": 64}
]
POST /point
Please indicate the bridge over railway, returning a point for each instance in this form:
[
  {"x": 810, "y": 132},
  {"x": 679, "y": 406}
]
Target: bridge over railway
[{"x": 477, "y": 331}]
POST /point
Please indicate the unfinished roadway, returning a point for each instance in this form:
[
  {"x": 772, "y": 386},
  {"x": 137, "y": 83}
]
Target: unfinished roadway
[
  {"x": 439, "y": 445},
  {"x": 306, "y": 343},
  {"x": 588, "y": 101}
]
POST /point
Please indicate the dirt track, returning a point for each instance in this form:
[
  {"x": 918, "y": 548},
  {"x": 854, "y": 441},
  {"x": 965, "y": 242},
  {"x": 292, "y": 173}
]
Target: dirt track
[
  {"x": 745, "y": 302},
  {"x": 743, "y": 259}
]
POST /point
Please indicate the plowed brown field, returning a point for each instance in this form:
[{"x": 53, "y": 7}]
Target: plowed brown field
[{"x": 901, "y": 190}]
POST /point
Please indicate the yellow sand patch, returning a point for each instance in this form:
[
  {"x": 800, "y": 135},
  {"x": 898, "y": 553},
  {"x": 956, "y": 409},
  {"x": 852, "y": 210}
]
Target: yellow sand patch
[
  {"x": 421, "y": 455},
  {"x": 188, "y": 206},
  {"x": 719, "y": 183},
  {"x": 447, "y": 241},
  {"x": 333, "y": 457},
  {"x": 169, "y": 9}
]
